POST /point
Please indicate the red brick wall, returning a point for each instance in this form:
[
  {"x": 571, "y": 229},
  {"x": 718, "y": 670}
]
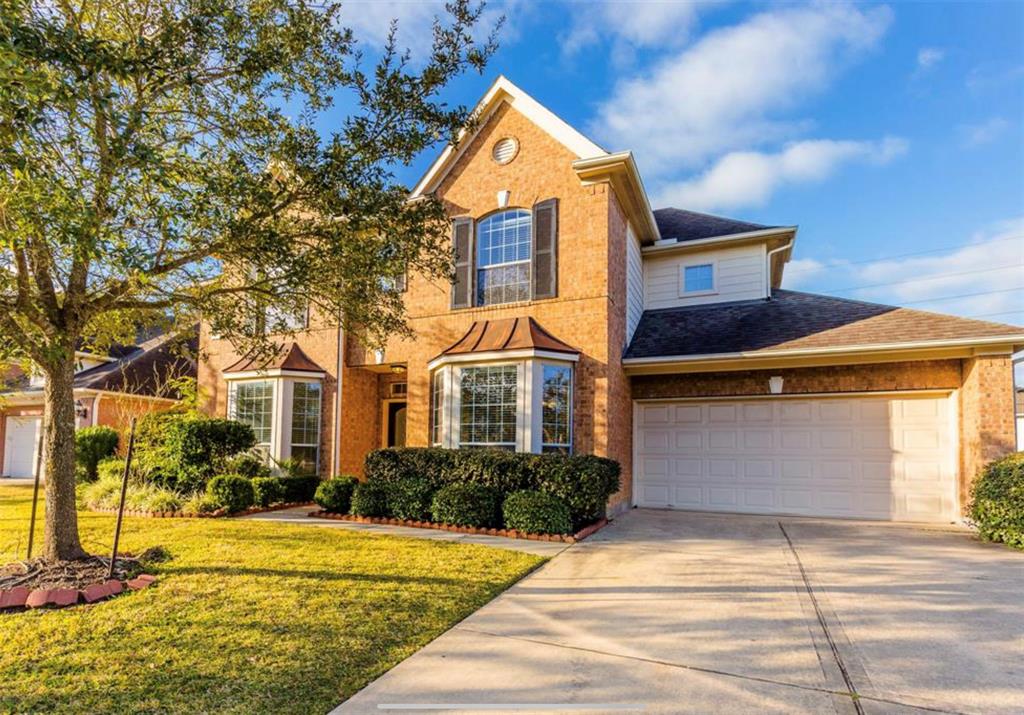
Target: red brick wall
[{"x": 987, "y": 428}]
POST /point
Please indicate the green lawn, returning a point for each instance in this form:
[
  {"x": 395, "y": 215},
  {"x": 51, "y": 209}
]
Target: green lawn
[{"x": 246, "y": 617}]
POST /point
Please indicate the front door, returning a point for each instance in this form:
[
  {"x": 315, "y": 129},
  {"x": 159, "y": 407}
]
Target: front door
[{"x": 394, "y": 425}]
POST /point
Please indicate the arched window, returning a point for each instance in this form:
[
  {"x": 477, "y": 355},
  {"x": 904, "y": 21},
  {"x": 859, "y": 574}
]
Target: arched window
[{"x": 503, "y": 257}]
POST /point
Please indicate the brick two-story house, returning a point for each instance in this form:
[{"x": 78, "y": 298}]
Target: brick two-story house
[{"x": 582, "y": 320}]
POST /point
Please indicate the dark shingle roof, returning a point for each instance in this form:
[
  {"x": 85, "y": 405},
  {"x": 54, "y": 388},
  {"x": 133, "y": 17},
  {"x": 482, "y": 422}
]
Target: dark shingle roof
[
  {"x": 689, "y": 225},
  {"x": 147, "y": 369},
  {"x": 792, "y": 321}
]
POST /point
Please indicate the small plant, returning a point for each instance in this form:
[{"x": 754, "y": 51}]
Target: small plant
[
  {"x": 467, "y": 505},
  {"x": 369, "y": 499},
  {"x": 536, "y": 513},
  {"x": 161, "y": 500},
  {"x": 249, "y": 464},
  {"x": 410, "y": 499},
  {"x": 110, "y": 468},
  {"x": 101, "y": 494},
  {"x": 198, "y": 503},
  {"x": 335, "y": 495},
  {"x": 267, "y": 491},
  {"x": 300, "y": 489},
  {"x": 93, "y": 444},
  {"x": 997, "y": 507},
  {"x": 232, "y": 492}
]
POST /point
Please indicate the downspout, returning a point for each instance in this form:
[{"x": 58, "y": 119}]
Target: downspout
[
  {"x": 336, "y": 449},
  {"x": 771, "y": 253},
  {"x": 96, "y": 409}
]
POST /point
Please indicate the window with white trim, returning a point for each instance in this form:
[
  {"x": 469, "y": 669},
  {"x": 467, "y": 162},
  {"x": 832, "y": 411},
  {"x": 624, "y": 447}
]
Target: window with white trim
[
  {"x": 436, "y": 406},
  {"x": 305, "y": 437},
  {"x": 556, "y": 409},
  {"x": 252, "y": 403},
  {"x": 490, "y": 400},
  {"x": 699, "y": 278},
  {"x": 503, "y": 257}
]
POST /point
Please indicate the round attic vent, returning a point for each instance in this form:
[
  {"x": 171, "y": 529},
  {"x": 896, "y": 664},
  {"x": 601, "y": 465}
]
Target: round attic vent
[{"x": 505, "y": 150}]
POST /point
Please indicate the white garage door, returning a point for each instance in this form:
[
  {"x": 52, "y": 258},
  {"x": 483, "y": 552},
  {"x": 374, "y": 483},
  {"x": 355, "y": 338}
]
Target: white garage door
[
  {"x": 862, "y": 457},
  {"x": 20, "y": 446}
]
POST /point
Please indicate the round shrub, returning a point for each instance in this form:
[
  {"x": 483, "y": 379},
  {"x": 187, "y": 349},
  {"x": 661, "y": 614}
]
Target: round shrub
[
  {"x": 997, "y": 506},
  {"x": 467, "y": 505},
  {"x": 369, "y": 499},
  {"x": 231, "y": 491},
  {"x": 267, "y": 491},
  {"x": 335, "y": 495},
  {"x": 410, "y": 499},
  {"x": 300, "y": 488},
  {"x": 110, "y": 468},
  {"x": 584, "y": 482},
  {"x": 91, "y": 445},
  {"x": 536, "y": 513},
  {"x": 248, "y": 465}
]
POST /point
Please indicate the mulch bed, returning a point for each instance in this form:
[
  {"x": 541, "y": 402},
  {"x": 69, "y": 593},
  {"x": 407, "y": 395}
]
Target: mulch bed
[
  {"x": 38, "y": 583},
  {"x": 209, "y": 515},
  {"x": 507, "y": 533}
]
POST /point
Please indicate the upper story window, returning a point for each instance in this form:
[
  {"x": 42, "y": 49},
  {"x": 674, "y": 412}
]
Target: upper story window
[
  {"x": 698, "y": 278},
  {"x": 503, "y": 258}
]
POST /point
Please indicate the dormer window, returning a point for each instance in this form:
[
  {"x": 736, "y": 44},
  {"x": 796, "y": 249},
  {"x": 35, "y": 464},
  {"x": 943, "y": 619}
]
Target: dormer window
[{"x": 698, "y": 279}]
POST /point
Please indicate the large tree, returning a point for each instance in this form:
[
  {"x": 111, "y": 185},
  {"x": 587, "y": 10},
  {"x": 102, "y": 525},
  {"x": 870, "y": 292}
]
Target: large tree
[{"x": 162, "y": 159}]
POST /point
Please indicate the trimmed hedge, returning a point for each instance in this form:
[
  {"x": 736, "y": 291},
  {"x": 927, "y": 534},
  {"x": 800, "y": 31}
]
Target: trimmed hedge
[
  {"x": 267, "y": 491},
  {"x": 93, "y": 444},
  {"x": 467, "y": 505},
  {"x": 410, "y": 499},
  {"x": 335, "y": 495},
  {"x": 583, "y": 482},
  {"x": 369, "y": 500},
  {"x": 997, "y": 507},
  {"x": 231, "y": 491},
  {"x": 536, "y": 513},
  {"x": 300, "y": 489}
]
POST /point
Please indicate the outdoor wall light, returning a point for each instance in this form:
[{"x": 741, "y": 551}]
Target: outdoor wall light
[
  {"x": 775, "y": 384},
  {"x": 81, "y": 411}
]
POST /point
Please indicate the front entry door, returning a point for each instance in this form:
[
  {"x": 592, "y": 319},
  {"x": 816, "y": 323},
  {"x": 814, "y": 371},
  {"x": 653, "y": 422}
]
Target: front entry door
[{"x": 394, "y": 413}]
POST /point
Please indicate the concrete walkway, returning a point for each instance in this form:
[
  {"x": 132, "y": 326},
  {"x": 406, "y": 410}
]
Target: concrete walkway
[
  {"x": 674, "y": 612},
  {"x": 300, "y": 515}
]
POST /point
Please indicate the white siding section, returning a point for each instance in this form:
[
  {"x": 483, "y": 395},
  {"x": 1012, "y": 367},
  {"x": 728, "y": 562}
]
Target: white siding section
[
  {"x": 634, "y": 283},
  {"x": 740, "y": 275}
]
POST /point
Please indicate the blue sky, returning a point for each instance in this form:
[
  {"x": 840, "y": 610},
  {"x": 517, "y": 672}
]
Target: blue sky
[{"x": 881, "y": 130}]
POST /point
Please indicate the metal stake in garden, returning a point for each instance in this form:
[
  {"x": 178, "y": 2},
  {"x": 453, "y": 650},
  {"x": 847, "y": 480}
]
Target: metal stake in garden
[
  {"x": 120, "y": 505},
  {"x": 35, "y": 488}
]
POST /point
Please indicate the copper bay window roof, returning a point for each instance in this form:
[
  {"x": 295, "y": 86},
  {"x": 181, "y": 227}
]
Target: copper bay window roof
[
  {"x": 508, "y": 334},
  {"x": 288, "y": 357}
]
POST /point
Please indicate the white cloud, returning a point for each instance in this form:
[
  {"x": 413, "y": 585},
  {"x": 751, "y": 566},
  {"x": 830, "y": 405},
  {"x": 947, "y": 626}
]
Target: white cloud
[
  {"x": 723, "y": 93},
  {"x": 641, "y": 23},
  {"x": 985, "y": 132},
  {"x": 928, "y": 57},
  {"x": 990, "y": 263},
  {"x": 749, "y": 178}
]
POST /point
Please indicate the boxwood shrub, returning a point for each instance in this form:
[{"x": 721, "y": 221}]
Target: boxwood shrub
[
  {"x": 409, "y": 499},
  {"x": 583, "y": 482},
  {"x": 267, "y": 491},
  {"x": 467, "y": 505},
  {"x": 335, "y": 495},
  {"x": 369, "y": 499},
  {"x": 300, "y": 488},
  {"x": 93, "y": 444},
  {"x": 997, "y": 506},
  {"x": 231, "y": 491},
  {"x": 536, "y": 513}
]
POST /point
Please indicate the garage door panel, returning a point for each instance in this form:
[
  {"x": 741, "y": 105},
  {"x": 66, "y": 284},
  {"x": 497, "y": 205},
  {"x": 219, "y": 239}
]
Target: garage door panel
[{"x": 868, "y": 457}]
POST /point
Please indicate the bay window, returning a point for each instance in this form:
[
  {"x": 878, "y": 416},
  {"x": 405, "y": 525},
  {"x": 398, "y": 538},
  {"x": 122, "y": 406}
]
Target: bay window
[
  {"x": 305, "y": 437},
  {"x": 252, "y": 403},
  {"x": 489, "y": 401},
  {"x": 556, "y": 408}
]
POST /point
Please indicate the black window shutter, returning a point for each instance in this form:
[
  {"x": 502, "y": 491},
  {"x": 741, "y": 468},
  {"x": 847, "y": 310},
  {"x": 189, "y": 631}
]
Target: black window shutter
[
  {"x": 545, "y": 249},
  {"x": 462, "y": 240}
]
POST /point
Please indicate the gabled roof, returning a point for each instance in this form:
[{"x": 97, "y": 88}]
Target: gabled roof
[
  {"x": 287, "y": 357},
  {"x": 486, "y": 336},
  {"x": 682, "y": 225},
  {"x": 504, "y": 91},
  {"x": 795, "y": 322}
]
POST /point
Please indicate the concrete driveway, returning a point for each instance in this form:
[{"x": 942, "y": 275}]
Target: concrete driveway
[{"x": 674, "y": 612}]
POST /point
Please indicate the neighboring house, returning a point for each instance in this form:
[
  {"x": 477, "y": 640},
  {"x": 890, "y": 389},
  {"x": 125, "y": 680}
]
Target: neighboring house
[
  {"x": 1020, "y": 418},
  {"x": 110, "y": 389},
  {"x": 582, "y": 320}
]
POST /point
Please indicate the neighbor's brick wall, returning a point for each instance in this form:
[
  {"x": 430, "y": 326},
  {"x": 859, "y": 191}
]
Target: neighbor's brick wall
[
  {"x": 987, "y": 429},
  {"x": 923, "y": 375}
]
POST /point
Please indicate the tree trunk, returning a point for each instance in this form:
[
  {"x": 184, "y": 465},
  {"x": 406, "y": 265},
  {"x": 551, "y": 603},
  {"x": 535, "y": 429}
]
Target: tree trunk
[{"x": 60, "y": 530}]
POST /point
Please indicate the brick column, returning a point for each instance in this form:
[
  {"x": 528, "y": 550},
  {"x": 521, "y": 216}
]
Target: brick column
[{"x": 986, "y": 416}]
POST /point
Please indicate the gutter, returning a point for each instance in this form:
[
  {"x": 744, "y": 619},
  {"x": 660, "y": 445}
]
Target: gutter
[
  {"x": 768, "y": 264},
  {"x": 336, "y": 447},
  {"x": 714, "y": 240}
]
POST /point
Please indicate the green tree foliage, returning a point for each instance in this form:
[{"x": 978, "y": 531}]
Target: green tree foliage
[{"x": 165, "y": 159}]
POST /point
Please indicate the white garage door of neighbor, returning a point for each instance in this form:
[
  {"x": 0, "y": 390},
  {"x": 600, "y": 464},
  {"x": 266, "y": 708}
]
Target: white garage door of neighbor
[
  {"x": 21, "y": 444},
  {"x": 888, "y": 457}
]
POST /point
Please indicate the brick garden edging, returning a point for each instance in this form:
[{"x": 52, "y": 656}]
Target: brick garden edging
[
  {"x": 209, "y": 515},
  {"x": 507, "y": 533},
  {"x": 21, "y": 597}
]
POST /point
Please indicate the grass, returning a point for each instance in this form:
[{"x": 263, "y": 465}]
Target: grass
[{"x": 246, "y": 617}]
